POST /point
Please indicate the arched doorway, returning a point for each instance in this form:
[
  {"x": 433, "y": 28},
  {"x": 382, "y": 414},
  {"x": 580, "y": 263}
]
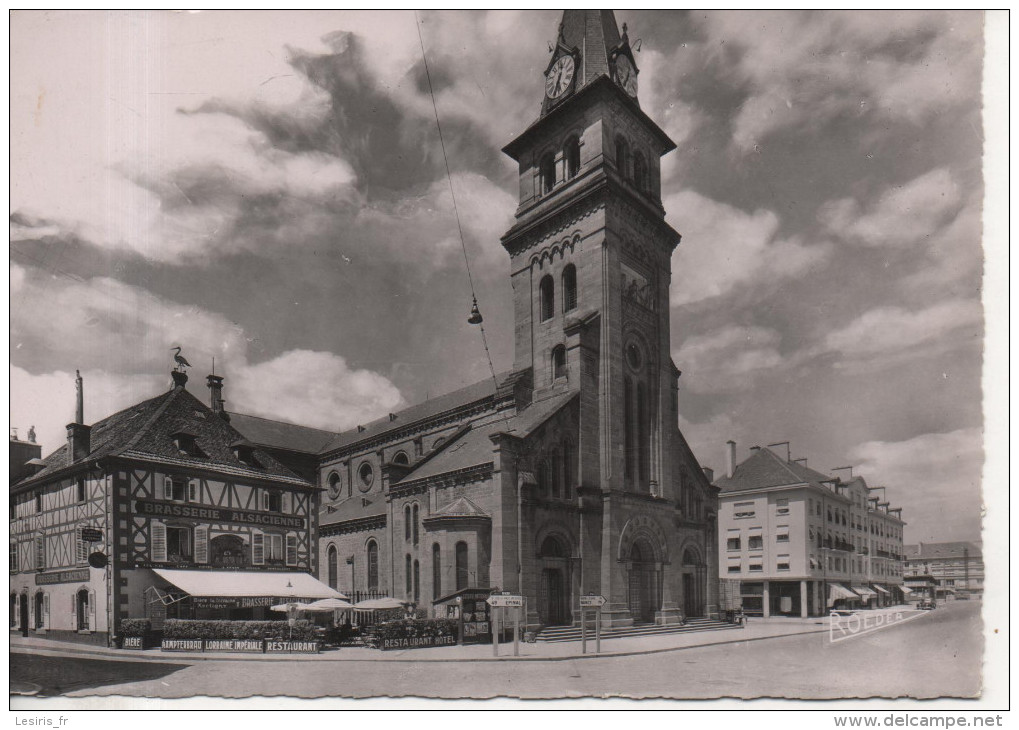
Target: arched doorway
[
  {"x": 694, "y": 578},
  {"x": 40, "y": 614},
  {"x": 81, "y": 604},
  {"x": 23, "y": 614},
  {"x": 554, "y": 589},
  {"x": 643, "y": 585}
]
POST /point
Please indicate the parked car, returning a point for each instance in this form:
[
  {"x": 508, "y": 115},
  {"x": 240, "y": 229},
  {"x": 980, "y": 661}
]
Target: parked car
[{"x": 926, "y": 605}]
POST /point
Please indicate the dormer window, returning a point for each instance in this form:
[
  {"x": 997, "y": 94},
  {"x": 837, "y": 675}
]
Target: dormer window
[
  {"x": 186, "y": 444},
  {"x": 244, "y": 450}
]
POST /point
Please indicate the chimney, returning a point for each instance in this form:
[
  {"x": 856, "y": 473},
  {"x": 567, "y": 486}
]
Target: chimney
[
  {"x": 216, "y": 402},
  {"x": 79, "y": 436},
  {"x": 180, "y": 379},
  {"x": 709, "y": 473},
  {"x": 730, "y": 458}
]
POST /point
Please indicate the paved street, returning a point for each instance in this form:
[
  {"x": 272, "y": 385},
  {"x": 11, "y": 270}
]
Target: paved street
[{"x": 937, "y": 654}]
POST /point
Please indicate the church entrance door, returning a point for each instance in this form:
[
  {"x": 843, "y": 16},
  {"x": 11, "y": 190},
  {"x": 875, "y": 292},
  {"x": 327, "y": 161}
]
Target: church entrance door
[
  {"x": 643, "y": 584},
  {"x": 553, "y": 609}
]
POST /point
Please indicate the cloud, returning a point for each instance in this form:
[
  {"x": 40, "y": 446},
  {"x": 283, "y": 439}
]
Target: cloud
[
  {"x": 119, "y": 337},
  {"x": 314, "y": 389},
  {"x": 728, "y": 359},
  {"x": 934, "y": 477},
  {"x": 902, "y": 215},
  {"x": 886, "y": 334},
  {"x": 724, "y": 248},
  {"x": 803, "y": 70}
]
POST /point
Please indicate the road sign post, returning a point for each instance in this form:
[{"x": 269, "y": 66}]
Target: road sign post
[
  {"x": 504, "y": 601},
  {"x": 516, "y": 631},
  {"x": 595, "y": 602}
]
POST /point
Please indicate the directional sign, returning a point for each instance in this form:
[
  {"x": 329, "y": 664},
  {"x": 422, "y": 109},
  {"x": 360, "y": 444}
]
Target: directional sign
[
  {"x": 592, "y": 601},
  {"x": 505, "y": 601}
]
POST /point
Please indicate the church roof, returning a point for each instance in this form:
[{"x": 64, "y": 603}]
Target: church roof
[
  {"x": 765, "y": 469},
  {"x": 474, "y": 393},
  {"x": 280, "y": 434},
  {"x": 146, "y": 431},
  {"x": 473, "y": 447}
]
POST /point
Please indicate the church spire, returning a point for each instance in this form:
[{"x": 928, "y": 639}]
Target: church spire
[{"x": 588, "y": 46}]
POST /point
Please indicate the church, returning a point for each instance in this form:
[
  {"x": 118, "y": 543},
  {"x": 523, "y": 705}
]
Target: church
[
  {"x": 564, "y": 476},
  {"x": 567, "y": 475}
]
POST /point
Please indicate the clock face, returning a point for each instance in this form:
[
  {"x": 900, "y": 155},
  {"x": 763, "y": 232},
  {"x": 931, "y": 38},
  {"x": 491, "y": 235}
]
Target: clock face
[
  {"x": 559, "y": 77},
  {"x": 626, "y": 75}
]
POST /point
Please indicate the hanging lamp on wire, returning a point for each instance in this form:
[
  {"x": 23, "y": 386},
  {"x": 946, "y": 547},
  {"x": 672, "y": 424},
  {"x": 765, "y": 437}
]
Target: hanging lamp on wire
[{"x": 475, "y": 317}]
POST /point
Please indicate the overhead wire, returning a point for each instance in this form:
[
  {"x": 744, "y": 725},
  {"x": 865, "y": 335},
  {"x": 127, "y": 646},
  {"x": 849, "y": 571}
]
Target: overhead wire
[{"x": 452, "y": 194}]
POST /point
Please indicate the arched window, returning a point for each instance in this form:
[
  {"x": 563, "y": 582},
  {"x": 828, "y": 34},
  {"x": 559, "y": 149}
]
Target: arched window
[
  {"x": 639, "y": 172},
  {"x": 417, "y": 582},
  {"x": 436, "y": 571},
  {"x": 622, "y": 157},
  {"x": 410, "y": 586},
  {"x": 569, "y": 288},
  {"x": 628, "y": 426},
  {"x": 558, "y": 362},
  {"x": 462, "y": 575},
  {"x": 567, "y": 470},
  {"x": 552, "y": 547},
  {"x": 414, "y": 523},
  {"x": 401, "y": 458},
  {"x": 546, "y": 171},
  {"x": 406, "y": 522},
  {"x": 547, "y": 291},
  {"x": 572, "y": 154},
  {"x": 373, "y": 565},
  {"x": 643, "y": 443},
  {"x": 333, "y": 568},
  {"x": 83, "y": 609}
]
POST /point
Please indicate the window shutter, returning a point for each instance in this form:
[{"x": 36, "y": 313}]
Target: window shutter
[
  {"x": 201, "y": 544},
  {"x": 265, "y": 500},
  {"x": 192, "y": 490},
  {"x": 257, "y": 548},
  {"x": 92, "y": 608},
  {"x": 31, "y": 610},
  {"x": 74, "y": 611},
  {"x": 46, "y": 609},
  {"x": 40, "y": 553},
  {"x": 285, "y": 503},
  {"x": 167, "y": 488},
  {"x": 158, "y": 541},
  {"x": 291, "y": 549}
]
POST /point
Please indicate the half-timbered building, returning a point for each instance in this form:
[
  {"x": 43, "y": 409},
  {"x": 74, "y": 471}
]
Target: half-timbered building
[{"x": 161, "y": 510}]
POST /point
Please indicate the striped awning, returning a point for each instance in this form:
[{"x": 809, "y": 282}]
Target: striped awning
[
  {"x": 879, "y": 589},
  {"x": 837, "y": 591},
  {"x": 905, "y": 590},
  {"x": 864, "y": 592}
]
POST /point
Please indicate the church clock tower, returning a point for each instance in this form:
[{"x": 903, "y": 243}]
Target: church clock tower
[{"x": 591, "y": 267}]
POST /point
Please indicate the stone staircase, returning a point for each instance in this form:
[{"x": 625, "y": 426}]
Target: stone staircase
[{"x": 572, "y": 633}]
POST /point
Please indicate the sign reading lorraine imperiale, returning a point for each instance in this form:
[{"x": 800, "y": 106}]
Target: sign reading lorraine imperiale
[
  {"x": 151, "y": 508},
  {"x": 78, "y": 575}
]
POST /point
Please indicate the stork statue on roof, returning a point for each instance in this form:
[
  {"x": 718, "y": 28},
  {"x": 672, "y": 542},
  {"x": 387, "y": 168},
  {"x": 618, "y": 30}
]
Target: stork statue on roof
[{"x": 180, "y": 360}]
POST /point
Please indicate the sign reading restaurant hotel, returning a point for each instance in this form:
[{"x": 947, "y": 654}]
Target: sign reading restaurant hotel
[{"x": 150, "y": 508}]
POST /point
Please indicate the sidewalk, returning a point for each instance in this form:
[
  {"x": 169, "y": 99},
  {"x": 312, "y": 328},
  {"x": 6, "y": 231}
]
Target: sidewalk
[{"x": 755, "y": 630}]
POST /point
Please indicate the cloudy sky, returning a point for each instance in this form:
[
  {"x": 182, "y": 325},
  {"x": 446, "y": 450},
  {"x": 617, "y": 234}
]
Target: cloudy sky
[{"x": 267, "y": 189}]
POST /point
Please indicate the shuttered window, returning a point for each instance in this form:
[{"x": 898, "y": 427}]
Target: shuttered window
[
  {"x": 40, "y": 553},
  {"x": 201, "y": 544},
  {"x": 158, "y": 541},
  {"x": 257, "y": 548},
  {"x": 81, "y": 547},
  {"x": 291, "y": 549},
  {"x": 46, "y": 610}
]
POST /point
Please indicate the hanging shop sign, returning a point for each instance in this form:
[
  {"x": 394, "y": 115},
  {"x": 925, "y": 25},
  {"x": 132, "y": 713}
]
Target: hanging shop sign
[
  {"x": 217, "y": 515},
  {"x": 91, "y": 534}
]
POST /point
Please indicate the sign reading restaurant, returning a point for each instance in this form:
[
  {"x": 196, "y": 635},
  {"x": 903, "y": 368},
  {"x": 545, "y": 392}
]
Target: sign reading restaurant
[{"x": 150, "y": 508}]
